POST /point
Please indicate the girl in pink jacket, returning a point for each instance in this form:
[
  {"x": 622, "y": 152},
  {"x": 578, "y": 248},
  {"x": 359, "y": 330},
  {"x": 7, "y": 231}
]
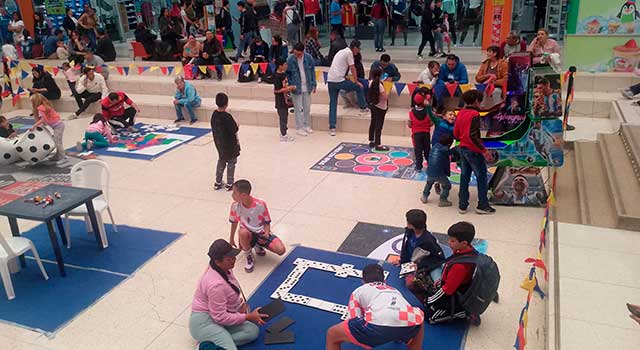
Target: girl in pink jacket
[
  {"x": 219, "y": 313},
  {"x": 97, "y": 135}
]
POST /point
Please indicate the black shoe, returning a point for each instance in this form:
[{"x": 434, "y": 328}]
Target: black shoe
[
  {"x": 383, "y": 50},
  {"x": 485, "y": 211},
  {"x": 382, "y": 148},
  {"x": 570, "y": 127},
  {"x": 193, "y": 121},
  {"x": 217, "y": 186},
  {"x": 418, "y": 169},
  {"x": 178, "y": 120},
  {"x": 431, "y": 54},
  {"x": 392, "y": 43},
  {"x": 229, "y": 187},
  {"x": 372, "y": 145}
]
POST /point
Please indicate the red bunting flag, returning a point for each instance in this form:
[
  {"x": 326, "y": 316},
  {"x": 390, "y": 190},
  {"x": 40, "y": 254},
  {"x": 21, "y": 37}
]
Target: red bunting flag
[
  {"x": 540, "y": 264},
  {"x": 263, "y": 67},
  {"x": 212, "y": 67},
  {"x": 15, "y": 99},
  {"x": 99, "y": 69},
  {"x": 55, "y": 70},
  {"x": 451, "y": 87},
  {"x": 411, "y": 87},
  {"x": 236, "y": 67},
  {"x": 32, "y": 65},
  {"x": 140, "y": 70},
  {"x": 120, "y": 70},
  {"x": 163, "y": 70}
]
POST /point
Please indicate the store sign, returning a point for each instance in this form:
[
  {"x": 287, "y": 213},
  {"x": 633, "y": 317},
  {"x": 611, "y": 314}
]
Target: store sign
[
  {"x": 54, "y": 7},
  {"x": 496, "y": 25}
]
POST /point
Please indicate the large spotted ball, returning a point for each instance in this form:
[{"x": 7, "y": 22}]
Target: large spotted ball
[
  {"x": 34, "y": 146},
  {"x": 8, "y": 152}
]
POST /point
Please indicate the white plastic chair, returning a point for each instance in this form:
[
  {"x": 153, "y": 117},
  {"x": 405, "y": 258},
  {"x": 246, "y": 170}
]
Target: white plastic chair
[
  {"x": 11, "y": 248},
  {"x": 91, "y": 174}
]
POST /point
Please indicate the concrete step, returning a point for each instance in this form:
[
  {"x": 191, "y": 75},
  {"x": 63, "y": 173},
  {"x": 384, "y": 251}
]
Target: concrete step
[
  {"x": 593, "y": 104},
  {"x": 249, "y": 112},
  {"x": 596, "y": 208},
  {"x": 623, "y": 112},
  {"x": 630, "y": 137},
  {"x": 567, "y": 193},
  {"x": 623, "y": 183}
]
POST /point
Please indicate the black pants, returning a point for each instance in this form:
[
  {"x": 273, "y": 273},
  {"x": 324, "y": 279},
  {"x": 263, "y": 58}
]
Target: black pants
[
  {"x": 89, "y": 98},
  {"x": 441, "y": 307},
  {"x": 283, "y": 113},
  {"x": 377, "y": 122},
  {"x": 229, "y": 33},
  {"x": 338, "y": 28},
  {"x": 74, "y": 93},
  {"x": 452, "y": 30},
  {"x": 539, "y": 18},
  {"x": 230, "y": 164},
  {"x": 427, "y": 35},
  {"x": 635, "y": 89},
  {"x": 476, "y": 29},
  {"x": 393, "y": 29},
  {"x": 421, "y": 147},
  {"x": 124, "y": 121},
  {"x": 170, "y": 38}
]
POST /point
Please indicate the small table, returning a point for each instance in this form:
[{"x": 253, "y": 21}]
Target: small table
[{"x": 71, "y": 198}]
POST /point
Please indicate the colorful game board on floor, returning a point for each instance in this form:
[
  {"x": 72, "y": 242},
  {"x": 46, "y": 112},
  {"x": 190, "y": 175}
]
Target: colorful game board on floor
[
  {"x": 398, "y": 162},
  {"x": 151, "y": 141}
]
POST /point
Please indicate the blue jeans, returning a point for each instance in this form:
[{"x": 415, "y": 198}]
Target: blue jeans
[
  {"x": 444, "y": 183},
  {"x": 247, "y": 39},
  {"x": 334, "y": 90},
  {"x": 472, "y": 162},
  {"x": 189, "y": 107},
  {"x": 378, "y": 26}
]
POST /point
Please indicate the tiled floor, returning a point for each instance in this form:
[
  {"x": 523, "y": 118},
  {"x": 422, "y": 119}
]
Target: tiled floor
[{"x": 317, "y": 209}]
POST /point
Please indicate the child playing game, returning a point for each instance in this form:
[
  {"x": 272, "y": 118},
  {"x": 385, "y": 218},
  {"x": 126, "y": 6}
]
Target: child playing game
[
  {"x": 472, "y": 153},
  {"x": 6, "y": 129},
  {"x": 455, "y": 277},
  {"x": 225, "y": 137},
  {"x": 419, "y": 246},
  {"x": 439, "y": 170},
  {"x": 281, "y": 89},
  {"x": 44, "y": 113},
  {"x": 255, "y": 224},
  {"x": 420, "y": 125},
  {"x": 97, "y": 135},
  {"x": 379, "y": 315}
]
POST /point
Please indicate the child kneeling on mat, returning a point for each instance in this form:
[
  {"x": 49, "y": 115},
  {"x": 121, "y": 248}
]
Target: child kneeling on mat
[
  {"x": 255, "y": 224},
  {"x": 97, "y": 135},
  {"x": 379, "y": 315}
]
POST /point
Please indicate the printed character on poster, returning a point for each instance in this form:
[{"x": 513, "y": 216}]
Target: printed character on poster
[
  {"x": 518, "y": 78},
  {"x": 520, "y": 186},
  {"x": 543, "y": 141},
  {"x": 515, "y": 105},
  {"x": 546, "y": 98},
  {"x": 628, "y": 15},
  {"x": 510, "y": 116}
]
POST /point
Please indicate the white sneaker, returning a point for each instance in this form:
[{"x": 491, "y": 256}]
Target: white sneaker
[
  {"x": 308, "y": 130},
  {"x": 420, "y": 57},
  {"x": 332, "y": 132},
  {"x": 248, "y": 267},
  {"x": 79, "y": 146},
  {"x": 286, "y": 138},
  {"x": 302, "y": 132},
  {"x": 626, "y": 93},
  {"x": 365, "y": 111},
  {"x": 90, "y": 145},
  {"x": 72, "y": 116}
]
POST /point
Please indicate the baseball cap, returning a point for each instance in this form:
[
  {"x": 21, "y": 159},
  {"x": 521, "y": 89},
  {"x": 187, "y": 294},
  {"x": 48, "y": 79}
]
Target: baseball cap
[
  {"x": 222, "y": 249},
  {"x": 418, "y": 99}
]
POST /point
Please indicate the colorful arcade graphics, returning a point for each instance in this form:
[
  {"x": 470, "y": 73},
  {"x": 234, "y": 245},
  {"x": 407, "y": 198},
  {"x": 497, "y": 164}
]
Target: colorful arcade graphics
[
  {"x": 398, "y": 162},
  {"x": 518, "y": 186},
  {"x": 545, "y": 94}
]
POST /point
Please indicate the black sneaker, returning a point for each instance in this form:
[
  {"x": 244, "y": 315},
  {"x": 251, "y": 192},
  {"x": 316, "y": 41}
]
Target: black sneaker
[
  {"x": 382, "y": 148},
  {"x": 431, "y": 54},
  {"x": 488, "y": 210},
  {"x": 178, "y": 120},
  {"x": 193, "y": 121},
  {"x": 217, "y": 186},
  {"x": 372, "y": 145},
  {"x": 570, "y": 127},
  {"x": 229, "y": 187}
]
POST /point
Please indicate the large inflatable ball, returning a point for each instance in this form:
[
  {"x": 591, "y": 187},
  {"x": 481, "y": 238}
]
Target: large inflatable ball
[
  {"x": 36, "y": 145},
  {"x": 8, "y": 152}
]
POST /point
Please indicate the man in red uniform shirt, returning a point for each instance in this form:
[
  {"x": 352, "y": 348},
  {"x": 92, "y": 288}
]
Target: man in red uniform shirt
[
  {"x": 472, "y": 153},
  {"x": 455, "y": 277},
  {"x": 113, "y": 110}
]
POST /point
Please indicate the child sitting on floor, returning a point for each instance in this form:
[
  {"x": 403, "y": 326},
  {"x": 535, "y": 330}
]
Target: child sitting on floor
[
  {"x": 97, "y": 135},
  {"x": 6, "y": 129},
  {"x": 379, "y": 314},
  {"x": 255, "y": 224},
  {"x": 419, "y": 246},
  {"x": 439, "y": 170}
]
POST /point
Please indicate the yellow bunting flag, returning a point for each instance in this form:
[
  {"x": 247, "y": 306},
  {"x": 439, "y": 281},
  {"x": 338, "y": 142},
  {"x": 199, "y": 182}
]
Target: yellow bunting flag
[
  {"x": 154, "y": 68},
  {"x": 227, "y": 69},
  {"x": 318, "y": 75},
  {"x": 428, "y": 86},
  {"x": 552, "y": 198},
  {"x": 203, "y": 69},
  {"x": 254, "y": 67},
  {"x": 387, "y": 86},
  {"x": 528, "y": 284},
  {"x": 465, "y": 87},
  {"x": 178, "y": 70}
]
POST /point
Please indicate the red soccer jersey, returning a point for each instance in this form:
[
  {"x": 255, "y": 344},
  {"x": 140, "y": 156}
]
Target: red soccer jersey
[{"x": 115, "y": 109}]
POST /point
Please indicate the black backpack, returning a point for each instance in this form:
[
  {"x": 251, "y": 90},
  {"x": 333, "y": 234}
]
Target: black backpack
[
  {"x": 296, "y": 17},
  {"x": 484, "y": 284}
]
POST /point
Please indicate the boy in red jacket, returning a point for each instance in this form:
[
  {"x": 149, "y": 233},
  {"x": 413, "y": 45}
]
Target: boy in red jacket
[
  {"x": 420, "y": 125},
  {"x": 472, "y": 153}
]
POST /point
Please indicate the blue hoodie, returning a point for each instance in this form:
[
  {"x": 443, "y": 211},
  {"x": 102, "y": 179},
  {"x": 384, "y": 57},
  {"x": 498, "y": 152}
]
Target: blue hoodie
[
  {"x": 458, "y": 74},
  {"x": 439, "y": 164}
]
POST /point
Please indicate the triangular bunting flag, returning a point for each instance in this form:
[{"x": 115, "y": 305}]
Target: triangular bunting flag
[
  {"x": 72, "y": 63},
  {"x": 400, "y": 87},
  {"x": 254, "y": 68},
  {"x": 236, "y": 68},
  {"x": 132, "y": 66},
  {"x": 203, "y": 69},
  {"x": 120, "y": 70},
  {"x": 272, "y": 67},
  {"x": 465, "y": 87},
  {"x": 56, "y": 70},
  {"x": 153, "y": 69},
  {"x": 20, "y": 90},
  {"x": 325, "y": 75},
  {"x": 33, "y": 65},
  {"x": 227, "y": 69},
  {"x": 15, "y": 100},
  {"x": 40, "y": 67},
  {"x": 98, "y": 69},
  {"x": 24, "y": 74},
  {"x": 211, "y": 67},
  {"x": 412, "y": 87},
  {"x": 163, "y": 70},
  {"x": 451, "y": 88},
  {"x": 318, "y": 75},
  {"x": 178, "y": 70},
  {"x": 263, "y": 67},
  {"x": 387, "y": 86},
  {"x": 13, "y": 63},
  {"x": 481, "y": 87},
  {"x": 140, "y": 70},
  {"x": 428, "y": 86},
  {"x": 194, "y": 71},
  {"x": 48, "y": 69},
  {"x": 126, "y": 70}
]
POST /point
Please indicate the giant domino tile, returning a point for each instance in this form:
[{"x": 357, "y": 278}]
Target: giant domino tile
[{"x": 341, "y": 271}]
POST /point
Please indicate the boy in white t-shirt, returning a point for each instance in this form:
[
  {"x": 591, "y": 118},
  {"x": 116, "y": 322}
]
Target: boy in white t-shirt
[
  {"x": 379, "y": 314},
  {"x": 255, "y": 224}
]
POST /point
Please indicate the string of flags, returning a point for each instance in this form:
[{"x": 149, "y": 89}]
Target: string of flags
[{"x": 22, "y": 69}]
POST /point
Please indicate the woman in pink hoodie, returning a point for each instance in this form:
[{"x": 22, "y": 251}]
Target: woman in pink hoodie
[{"x": 219, "y": 313}]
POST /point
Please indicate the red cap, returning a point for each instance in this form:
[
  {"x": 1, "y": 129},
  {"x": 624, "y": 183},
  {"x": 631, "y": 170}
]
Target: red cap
[{"x": 418, "y": 99}]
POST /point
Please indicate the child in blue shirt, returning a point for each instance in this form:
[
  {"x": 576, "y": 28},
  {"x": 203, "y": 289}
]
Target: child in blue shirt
[{"x": 439, "y": 170}]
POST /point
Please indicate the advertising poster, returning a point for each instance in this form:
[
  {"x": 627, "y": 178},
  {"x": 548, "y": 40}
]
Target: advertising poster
[{"x": 608, "y": 17}]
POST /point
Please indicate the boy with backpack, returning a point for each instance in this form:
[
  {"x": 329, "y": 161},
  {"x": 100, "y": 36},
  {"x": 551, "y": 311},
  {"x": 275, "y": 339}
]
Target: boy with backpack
[
  {"x": 469, "y": 280},
  {"x": 473, "y": 154}
]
